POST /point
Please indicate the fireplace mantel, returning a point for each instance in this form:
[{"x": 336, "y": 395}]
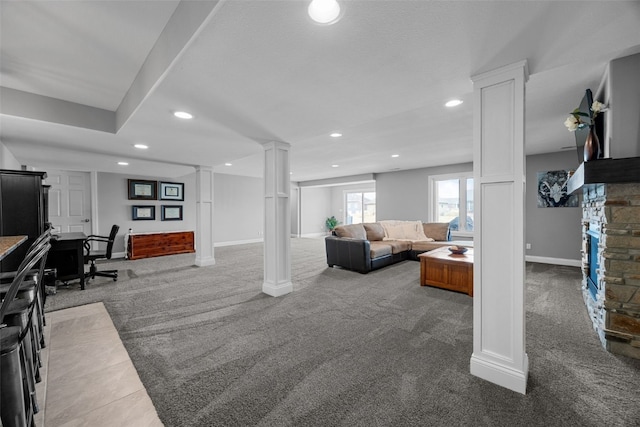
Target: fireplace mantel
[{"x": 605, "y": 171}]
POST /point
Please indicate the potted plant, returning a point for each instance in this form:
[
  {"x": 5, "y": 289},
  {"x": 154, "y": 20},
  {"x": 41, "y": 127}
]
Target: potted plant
[{"x": 331, "y": 223}]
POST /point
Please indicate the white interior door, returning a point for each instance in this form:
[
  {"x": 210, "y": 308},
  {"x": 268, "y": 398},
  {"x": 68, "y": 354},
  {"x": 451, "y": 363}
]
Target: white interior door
[{"x": 69, "y": 201}]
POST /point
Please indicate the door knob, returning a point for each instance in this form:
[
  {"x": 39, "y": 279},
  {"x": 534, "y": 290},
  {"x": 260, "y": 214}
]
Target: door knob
[{"x": 86, "y": 220}]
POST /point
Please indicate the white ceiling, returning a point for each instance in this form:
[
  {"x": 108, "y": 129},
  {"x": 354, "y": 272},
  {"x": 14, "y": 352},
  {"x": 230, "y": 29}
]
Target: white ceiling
[{"x": 257, "y": 71}]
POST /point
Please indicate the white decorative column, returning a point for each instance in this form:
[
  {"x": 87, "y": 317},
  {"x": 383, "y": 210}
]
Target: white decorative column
[
  {"x": 277, "y": 220},
  {"x": 204, "y": 216},
  {"x": 499, "y": 268}
]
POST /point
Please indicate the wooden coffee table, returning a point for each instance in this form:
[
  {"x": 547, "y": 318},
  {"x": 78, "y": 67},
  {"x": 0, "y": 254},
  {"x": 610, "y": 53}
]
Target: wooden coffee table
[{"x": 443, "y": 269}]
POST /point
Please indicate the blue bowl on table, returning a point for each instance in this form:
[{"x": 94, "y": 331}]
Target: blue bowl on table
[{"x": 458, "y": 250}]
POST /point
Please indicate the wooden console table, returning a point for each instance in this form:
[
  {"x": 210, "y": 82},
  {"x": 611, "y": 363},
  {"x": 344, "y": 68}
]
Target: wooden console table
[
  {"x": 146, "y": 245},
  {"x": 443, "y": 269}
]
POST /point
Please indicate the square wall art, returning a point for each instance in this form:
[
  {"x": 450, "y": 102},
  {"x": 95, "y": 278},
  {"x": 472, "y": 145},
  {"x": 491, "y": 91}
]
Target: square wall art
[{"x": 552, "y": 190}]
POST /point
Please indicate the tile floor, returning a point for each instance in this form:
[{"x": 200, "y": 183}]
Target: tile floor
[{"x": 88, "y": 378}]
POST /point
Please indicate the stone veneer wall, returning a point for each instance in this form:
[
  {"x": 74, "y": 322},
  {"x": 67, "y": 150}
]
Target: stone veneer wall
[{"x": 614, "y": 210}]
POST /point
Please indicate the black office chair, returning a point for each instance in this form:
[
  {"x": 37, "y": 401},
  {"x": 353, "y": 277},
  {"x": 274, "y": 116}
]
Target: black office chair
[{"x": 90, "y": 256}]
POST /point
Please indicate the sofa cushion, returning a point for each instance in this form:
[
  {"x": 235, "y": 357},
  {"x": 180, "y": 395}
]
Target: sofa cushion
[
  {"x": 374, "y": 231},
  {"x": 436, "y": 230},
  {"x": 427, "y": 246},
  {"x": 355, "y": 231},
  {"x": 398, "y": 246},
  {"x": 403, "y": 230},
  {"x": 379, "y": 249}
]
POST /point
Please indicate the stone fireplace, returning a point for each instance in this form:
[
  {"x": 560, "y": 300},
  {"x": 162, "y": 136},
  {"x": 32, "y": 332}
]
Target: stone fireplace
[{"x": 611, "y": 264}]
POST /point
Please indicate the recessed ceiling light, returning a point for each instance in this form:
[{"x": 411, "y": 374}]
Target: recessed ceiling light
[
  {"x": 453, "y": 103},
  {"x": 123, "y": 163},
  {"x": 227, "y": 164},
  {"x": 141, "y": 146},
  {"x": 334, "y": 166},
  {"x": 336, "y": 135},
  {"x": 324, "y": 11},
  {"x": 395, "y": 155},
  {"x": 183, "y": 115}
]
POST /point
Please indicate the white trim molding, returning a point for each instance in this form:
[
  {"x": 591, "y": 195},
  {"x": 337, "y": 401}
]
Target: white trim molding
[{"x": 554, "y": 261}]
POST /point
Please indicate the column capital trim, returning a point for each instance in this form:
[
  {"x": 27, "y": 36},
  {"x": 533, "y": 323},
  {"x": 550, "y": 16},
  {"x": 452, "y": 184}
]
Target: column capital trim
[
  {"x": 498, "y": 73},
  {"x": 276, "y": 144}
]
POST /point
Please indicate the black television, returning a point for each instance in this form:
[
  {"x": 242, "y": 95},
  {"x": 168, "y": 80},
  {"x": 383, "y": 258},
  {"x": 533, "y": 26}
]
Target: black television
[{"x": 581, "y": 133}]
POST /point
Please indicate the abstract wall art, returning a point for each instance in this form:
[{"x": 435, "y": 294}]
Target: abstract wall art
[{"x": 552, "y": 190}]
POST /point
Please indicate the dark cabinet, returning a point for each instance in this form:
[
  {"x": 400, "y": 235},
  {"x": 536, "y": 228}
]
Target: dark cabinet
[{"x": 23, "y": 210}]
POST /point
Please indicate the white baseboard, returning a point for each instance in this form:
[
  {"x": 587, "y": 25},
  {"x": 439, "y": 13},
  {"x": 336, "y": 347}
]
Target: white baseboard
[
  {"x": 502, "y": 375},
  {"x": 555, "y": 261},
  {"x": 314, "y": 235},
  {"x": 277, "y": 290},
  {"x": 237, "y": 242}
]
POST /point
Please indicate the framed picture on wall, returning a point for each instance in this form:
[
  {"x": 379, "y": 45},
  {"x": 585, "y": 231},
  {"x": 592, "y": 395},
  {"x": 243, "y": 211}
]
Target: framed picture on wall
[
  {"x": 139, "y": 213},
  {"x": 552, "y": 190},
  {"x": 142, "y": 190},
  {"x": 171, "y": 213},
  {"x": 172, "y": 191}
]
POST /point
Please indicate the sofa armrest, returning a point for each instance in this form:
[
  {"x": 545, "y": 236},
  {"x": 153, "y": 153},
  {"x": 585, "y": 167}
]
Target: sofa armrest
[{"x": 354, "y": 254}]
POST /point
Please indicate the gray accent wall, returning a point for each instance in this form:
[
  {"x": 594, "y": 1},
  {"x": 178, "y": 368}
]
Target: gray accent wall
[
  {"x": 552, "y": 232},
  {"x": 404, "y": 195}
]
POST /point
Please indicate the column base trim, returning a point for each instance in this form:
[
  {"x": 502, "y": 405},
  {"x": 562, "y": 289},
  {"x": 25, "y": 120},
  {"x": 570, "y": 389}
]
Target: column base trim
[
  {"x": 501, "y": 375},
  {"x": 204, "y": 262},
  {"x": 277, "y": 290}
]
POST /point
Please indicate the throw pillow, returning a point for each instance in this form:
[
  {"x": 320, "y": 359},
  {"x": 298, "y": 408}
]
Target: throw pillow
[
  {"x": 354, "y": 231},
  {"x": 374, "y": 231},
  {"x": 403, "y": 230},
  {"x": 436, "y": 230}
]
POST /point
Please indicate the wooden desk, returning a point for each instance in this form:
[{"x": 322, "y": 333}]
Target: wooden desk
[
  {"x": 9, "y": 243},
  {"x": 443, "y": 269},
  {"x": 67, "y": 256}
]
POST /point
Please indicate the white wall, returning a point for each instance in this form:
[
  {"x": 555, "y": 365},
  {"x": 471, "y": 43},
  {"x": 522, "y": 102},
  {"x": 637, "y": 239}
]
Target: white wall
[
  {"x": 622, "y": 118},
  {"x": 315, "y": 208},
  {"x": 114, "y": 207},
  {"x": 238, "y": 209},
  {"x": 7, "y": 159},
  {"x": 337, "y": 197}
]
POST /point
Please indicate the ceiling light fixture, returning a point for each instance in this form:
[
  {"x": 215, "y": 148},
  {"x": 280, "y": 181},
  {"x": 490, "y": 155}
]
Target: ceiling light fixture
[
  {"x": 334, "y": 166},
  {"x": 227, "y": 164},
  {"x": 336, "y": 135},
  {"x": 324, "y": 11},
  {"x": 183, "y": 115},
  {"x": 123, "y": 163},
  {"x": 141, "y": 146},
  {"x": 453, "y": 103},
  {"x": 395, "y": 155}
]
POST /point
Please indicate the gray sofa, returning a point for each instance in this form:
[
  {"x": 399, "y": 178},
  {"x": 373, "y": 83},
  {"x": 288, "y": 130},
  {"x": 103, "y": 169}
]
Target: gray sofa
[{"x": 367, "y": 247}]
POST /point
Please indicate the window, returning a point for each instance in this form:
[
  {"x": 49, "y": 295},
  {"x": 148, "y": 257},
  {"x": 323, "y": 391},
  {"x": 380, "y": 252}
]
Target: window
[
  {"x": 360, "y": 207},
  {"x": 452, "y": 199}
]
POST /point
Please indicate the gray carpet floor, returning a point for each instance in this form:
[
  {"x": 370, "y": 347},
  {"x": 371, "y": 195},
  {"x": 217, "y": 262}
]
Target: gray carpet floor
[{"x": 346, "y": 349}]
